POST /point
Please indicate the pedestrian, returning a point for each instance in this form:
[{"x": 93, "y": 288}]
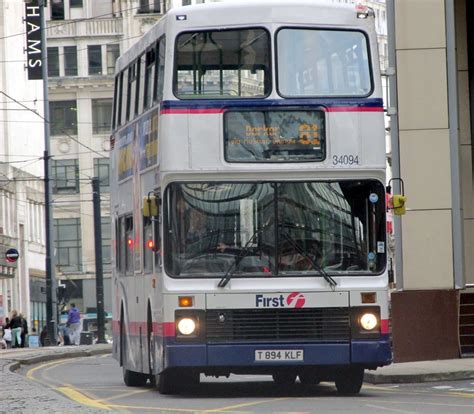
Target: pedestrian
[
  {"x": 16, "y": 327},
  {"x": 3, "y": 343},
  {"x": 43, "y": 336},
  {"x": 24, "y": 330},
  {"x": 7, "y": 333},
  {"x": 74, "y": 324}
]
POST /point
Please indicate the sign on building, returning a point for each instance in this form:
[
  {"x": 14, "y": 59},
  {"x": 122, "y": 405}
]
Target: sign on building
[{"x": 34, "y": 61}]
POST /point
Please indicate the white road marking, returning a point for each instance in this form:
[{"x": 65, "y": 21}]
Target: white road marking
[
  {"x": 390, "y": 409},
  {"x": 442, "y": 387}
]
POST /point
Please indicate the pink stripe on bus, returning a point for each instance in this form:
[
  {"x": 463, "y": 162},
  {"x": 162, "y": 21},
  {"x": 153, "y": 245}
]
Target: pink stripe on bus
[
  {"x": 355, "y": 109},
  {"x": 384, "y": 326},
  {"x": 191, "y": 111},
  {"x": 160, "y": 329}
]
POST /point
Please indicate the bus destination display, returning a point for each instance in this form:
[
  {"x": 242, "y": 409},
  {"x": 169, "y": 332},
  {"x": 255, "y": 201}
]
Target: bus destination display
[{"x": 274, "y": 136}]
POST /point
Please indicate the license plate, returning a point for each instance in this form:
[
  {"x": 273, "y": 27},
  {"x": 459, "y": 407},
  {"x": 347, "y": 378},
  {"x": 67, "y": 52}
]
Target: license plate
[{"x": 279, "y": 355}]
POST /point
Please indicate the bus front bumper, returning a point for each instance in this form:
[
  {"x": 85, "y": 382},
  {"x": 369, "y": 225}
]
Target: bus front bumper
[{"x": 370, "y": 354}]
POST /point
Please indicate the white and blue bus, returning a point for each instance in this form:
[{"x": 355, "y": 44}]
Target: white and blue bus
[{"x": 248, "y": 196}]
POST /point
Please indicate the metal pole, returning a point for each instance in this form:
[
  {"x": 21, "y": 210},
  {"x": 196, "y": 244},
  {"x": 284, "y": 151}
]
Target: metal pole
[
  {"x": 99, "y": 274},
  {"x": 51, "y": 306},
  {"x": 394, "y": 132}
]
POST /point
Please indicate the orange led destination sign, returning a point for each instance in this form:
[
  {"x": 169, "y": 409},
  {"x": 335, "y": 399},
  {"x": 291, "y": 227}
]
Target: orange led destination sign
[{"x": 274, "y": 136}]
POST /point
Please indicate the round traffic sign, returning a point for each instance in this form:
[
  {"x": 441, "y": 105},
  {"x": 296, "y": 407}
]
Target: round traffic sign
[{"x": 12, "y": 255}]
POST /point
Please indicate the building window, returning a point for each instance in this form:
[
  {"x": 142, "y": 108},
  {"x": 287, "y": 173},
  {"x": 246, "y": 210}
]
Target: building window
[
  {"x": 102, "y": 171},
  {"x": 106, "y": 240},
  {"x": 113, "y": 52},
  {"x": 144, "y": 6},
  {"x": 75, "y": 3},
  {"x": 53, "y": 62},
  {"x": 95, "y": 59},
  {"x": 57, "y": 9},
  {"x": 156, "y": 6},
  {"x": 186, "y": 2},
  {"x": 70, "y": 60},
  {"x": 101, "y": 115},
  {"x": 63, "y": 116},
  {"x": 67, "y": 237},
  {"x": 65, "y": 175}
]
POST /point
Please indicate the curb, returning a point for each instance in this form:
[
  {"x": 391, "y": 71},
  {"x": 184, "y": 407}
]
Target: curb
[
  {"x": 416, "y": 378},
  {"x": 18, "y": 362}
]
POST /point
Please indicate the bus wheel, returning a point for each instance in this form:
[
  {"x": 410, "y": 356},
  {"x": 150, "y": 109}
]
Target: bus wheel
[
  {"x": 134, "y": 379},
  {"x": 284, "y": 377},
  {"x": 309, "y": 378},
  {"x": 349, "y": 381}
]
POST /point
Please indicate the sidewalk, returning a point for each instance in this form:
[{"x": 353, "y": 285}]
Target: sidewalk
[
  {"x": 23, "y": 396},
  {"x": 423, "y": 371}
]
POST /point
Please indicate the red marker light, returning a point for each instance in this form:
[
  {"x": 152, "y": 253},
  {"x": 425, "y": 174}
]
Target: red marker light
[
  {"x": 150, "y": 244},
  {"x": 130, "y": 242}
]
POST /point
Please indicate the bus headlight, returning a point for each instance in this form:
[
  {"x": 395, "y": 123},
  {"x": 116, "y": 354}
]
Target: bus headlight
[
  {"x": 186, "y": 326},
  {"x": 365, "y": 322},
  {"x": 190, "y": 325},
  {"x": 368, "y": 321}
]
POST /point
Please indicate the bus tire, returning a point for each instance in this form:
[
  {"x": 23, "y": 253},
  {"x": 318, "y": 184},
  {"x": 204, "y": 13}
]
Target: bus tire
[
  {"x": 134, "y": 379},
  {"x": 349, "y": 381},
  {"x": 284, "y": 378}
]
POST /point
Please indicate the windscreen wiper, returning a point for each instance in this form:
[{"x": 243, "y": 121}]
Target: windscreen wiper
[
  {"x": 243, "y": 252},
  {"x": 315, "y": 266}
]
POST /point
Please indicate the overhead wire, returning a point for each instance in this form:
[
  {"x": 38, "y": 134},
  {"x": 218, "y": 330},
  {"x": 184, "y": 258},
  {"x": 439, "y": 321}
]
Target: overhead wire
[{"x": 49, "y": 122}]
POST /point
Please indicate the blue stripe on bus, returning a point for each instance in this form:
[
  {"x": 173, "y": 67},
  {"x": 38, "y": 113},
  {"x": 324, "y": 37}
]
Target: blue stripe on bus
[
  {"x": 251, "y": 103},
  {"x": 367, "y": 352}
]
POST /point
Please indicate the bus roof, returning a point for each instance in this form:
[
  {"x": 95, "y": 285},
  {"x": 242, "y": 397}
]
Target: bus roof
[{"x": 231, "y": 13}]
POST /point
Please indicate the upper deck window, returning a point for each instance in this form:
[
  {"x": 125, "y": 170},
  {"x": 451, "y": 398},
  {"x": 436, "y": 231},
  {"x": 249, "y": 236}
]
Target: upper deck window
[
  {"x": 315, "y": 62},
  {"x": 223, "y": 64}
]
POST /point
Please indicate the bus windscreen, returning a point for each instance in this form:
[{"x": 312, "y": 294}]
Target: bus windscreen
[
  {"x": 315, "y": 62},
  {"x": 274, "y": 136},
  {"x": 223, "y": 64},
  {"x": 275, "y": 228}
]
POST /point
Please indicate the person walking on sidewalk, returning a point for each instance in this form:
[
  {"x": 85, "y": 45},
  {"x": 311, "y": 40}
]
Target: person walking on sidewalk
[
  {"x": 74, "y": 325},
  {"x": 16, "y": 325},
  {"x": 24, "y": 330},
  {"x": 7, "y": 332}
]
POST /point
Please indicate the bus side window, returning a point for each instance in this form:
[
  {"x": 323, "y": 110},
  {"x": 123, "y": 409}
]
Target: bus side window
[
  {"x": 120, "y": 245},
  {"x": 129, "y": 244},
  {"x": 140, "y": 85},
  {"x": 116, "y": 104},
  {"x": 131, "y": 91},
  {"x": 157, "y": 239},
  {"x": 148, "y": 244},
  {"x": 149, "y": 77},
  {"x": 124, "y": 96},
  {"x": 159, "y": 69}
]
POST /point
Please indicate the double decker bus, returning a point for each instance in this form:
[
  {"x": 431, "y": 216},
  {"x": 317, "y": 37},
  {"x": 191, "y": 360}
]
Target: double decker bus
[{"x": 248, "y": 197}]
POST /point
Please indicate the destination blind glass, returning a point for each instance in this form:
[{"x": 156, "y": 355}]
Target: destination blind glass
[{"x": 274, "y": 136}]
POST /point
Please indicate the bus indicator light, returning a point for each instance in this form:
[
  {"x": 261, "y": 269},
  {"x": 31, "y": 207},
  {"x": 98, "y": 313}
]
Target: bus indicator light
[
  {"x": 185, "y": 301},
  {"x": 150, "y": 244},
  {"x": 368, "y": 297}
]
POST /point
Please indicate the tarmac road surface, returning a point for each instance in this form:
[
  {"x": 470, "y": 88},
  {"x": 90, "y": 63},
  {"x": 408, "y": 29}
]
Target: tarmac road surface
[{"x": 96, "y": 383}]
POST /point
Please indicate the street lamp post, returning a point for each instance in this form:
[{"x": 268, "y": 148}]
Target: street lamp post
[{"x": 51, "y": 304}]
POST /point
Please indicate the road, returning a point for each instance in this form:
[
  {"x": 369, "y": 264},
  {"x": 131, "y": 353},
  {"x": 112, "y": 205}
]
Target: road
[{"x": 97, "y": 382}]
